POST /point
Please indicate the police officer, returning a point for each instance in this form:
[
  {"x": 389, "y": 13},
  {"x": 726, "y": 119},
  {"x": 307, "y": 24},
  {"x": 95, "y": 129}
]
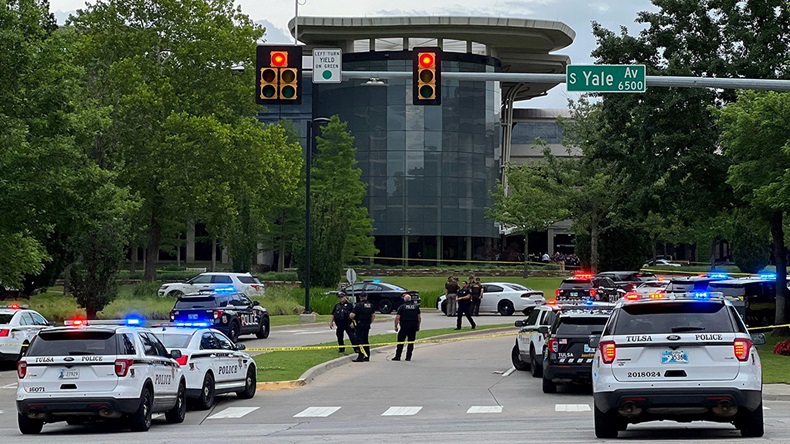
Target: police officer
[
  {"x": 465, "y": 306},
  {"x": 363, "y": 314},
  {"x": 341, "y": 317},
  {"x": 409, "y": 320},
  {"x": 477, "y": 295}
]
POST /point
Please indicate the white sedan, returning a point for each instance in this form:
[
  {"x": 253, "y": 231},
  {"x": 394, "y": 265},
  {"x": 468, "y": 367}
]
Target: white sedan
[
  {"x": 18, "y": 325},
  {"x": 240, "y": 282},
  {"x": 504, "y": 298},
  {"x": 212, "y": 363},
  {"x": 655, "y": 286}
]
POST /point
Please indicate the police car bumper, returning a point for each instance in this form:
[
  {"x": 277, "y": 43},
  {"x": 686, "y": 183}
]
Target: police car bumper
[
  {"x": 64, "y": 407},
  {"x": 6, "y": 354},
  {"x": 568, "y": 373},
  {"x": 712, "y": 404}
]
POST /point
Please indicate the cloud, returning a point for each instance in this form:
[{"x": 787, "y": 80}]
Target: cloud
[{"x": 275, "y": 34}]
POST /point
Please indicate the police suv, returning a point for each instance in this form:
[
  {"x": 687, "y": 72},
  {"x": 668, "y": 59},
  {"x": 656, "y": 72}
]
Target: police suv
[
  {"x": 223, "y": 309},
  {"x": 212, "y": 363},
  {"x": 682, "y": 357},
  {"x": 567, "y": 355},
  {"x": 18, "y": 326},
  {"x": 527, "y": 353},
  {"x": 86, "y": 372}
]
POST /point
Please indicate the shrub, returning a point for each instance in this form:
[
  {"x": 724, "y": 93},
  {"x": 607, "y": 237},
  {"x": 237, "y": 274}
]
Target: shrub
[
  {"x": 279, "y": 276},
  {"x": 782, "y": 348},
  {"x": 146, "y": 289}
]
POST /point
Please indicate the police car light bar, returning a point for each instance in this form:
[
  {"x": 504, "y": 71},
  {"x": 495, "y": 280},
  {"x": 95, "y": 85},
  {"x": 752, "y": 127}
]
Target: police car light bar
[
  {"x": 583, "y": 275},
  {"x": 696, "y": 295},
  {"x": 767, "y": 275},
  {"x": 718, "y": 275},
  {"x": 192, "y": 324},
  {"x": 14, "y": 306}
]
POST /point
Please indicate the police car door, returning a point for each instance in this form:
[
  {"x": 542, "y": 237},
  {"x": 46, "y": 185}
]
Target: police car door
[
  {"x": 248, "y": 316},
  {"x": 163, "y": 373},
  {"x": 230, "y": 369}
]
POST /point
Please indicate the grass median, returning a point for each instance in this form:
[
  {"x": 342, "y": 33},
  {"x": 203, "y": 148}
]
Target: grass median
[
  {"x": 774, "y": 366},
  {"x": 290, "y": 365}
]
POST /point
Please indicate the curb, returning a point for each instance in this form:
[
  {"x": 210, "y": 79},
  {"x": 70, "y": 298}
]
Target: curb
[{"x": 317, "y": 370}]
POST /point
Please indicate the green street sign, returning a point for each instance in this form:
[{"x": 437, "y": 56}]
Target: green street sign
[{"x": 606, "y": 78}]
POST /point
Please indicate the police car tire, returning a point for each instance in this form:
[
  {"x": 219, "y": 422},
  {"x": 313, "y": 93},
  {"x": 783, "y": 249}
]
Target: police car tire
[
  {"x": 22, "y": 351},
  {"x": 751, "y": 424},
  {"x": 549, "y": 386},
  {"x": 140, "y": 420},
  {"x": 444, "y": 307},
  {"x": 207, "y": 392},
  {"x": 535, "y": 367},
  {"x": 176, "y": 293},
  {"x": 263, "y": 332},
  {"x": 606, "y": 425},
  {"x": 385, "y": 306},
  {"x": 29, "y": 426},
  {"x": 506, "y": 308},
  {"x": 250, "y": 384},
  {"x": 177, "y": 414},
  {"x": 233, "y": 331},
  {"x": 516, "y": 358}
]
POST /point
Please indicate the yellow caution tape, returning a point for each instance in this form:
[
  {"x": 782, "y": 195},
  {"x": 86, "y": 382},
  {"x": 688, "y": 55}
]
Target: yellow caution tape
[{"x": 769, "y": 327}]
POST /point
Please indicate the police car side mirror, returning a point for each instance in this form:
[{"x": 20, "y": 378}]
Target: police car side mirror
[
  {"x": 543, "y": 329},
  {"x": 241, "y": 347},
  {"x": 519, "y": 323},
  {"x": 593, "y": 341},
  {"x": 256, "y": 303},
  {"x": 758, "y": 338},
  {"x": 51, "y": 323},
  {"x": 620, "y": 290},
  {"x": 175, "y": 354}
]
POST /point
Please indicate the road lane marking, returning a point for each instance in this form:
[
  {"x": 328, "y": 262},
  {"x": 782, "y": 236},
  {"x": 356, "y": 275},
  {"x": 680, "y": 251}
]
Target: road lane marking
[
  {"x": 764, "y": 408},
  {"x": 233, "y": 412},
  {"x": 316, "y": 412},
  {"x": 401, "y": 411},
  {"x": 319, "y": 332},
  {"x": 572, "y": 408},
  {"x": 509, "y": 372},
  {"x": 9, "y": 386},
  {"x": 485, "y": 409}
]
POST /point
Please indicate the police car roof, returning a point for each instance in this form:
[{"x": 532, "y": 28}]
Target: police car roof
[
  {"x": 742, "y": 280},
  {"x": 578, "y": 313},
  {"x": 173, "y": 329}
]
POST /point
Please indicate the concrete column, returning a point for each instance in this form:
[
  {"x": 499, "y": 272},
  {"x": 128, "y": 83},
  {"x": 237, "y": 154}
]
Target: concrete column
[
  {"x": 469, "y": 248},
  {"x": 259, "y": 258},
  {"x": 551, "y": 234},
  {"x": 439, "y": 249},
  {"x": 405, "y": 249},
  {"x": 190, "y": 242},
  {"x": 225, "y": 258}
]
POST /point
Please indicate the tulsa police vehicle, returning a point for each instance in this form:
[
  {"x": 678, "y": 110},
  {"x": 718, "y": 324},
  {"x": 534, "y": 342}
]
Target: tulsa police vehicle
[
  {"x": 18, "y": 326},
  {"x": 86, "y": 372},
  {"x": 223, "y": 309},
  {"x": 212, "y": 363},
  {"x": 679, "y": 357},
  {"x": 527, "y": 353}
]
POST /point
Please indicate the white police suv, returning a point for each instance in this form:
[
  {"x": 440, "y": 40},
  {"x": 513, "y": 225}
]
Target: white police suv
[
  {"x": 18, "y": 326},
  {"x": 682, "y": 357},
  {"x": 527, "y": 353},
  {"x": 86, "y": 372},
  {"x": 212, "y": 363}
]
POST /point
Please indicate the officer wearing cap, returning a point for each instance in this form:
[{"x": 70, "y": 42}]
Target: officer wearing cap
[
  {"x": 341, "y": 317},
  {"x": 409, "y": 320},
  {"x": 363, "y": 314}
]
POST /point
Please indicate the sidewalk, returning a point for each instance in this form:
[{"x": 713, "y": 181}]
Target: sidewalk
[{"x": 776, "y": 392}]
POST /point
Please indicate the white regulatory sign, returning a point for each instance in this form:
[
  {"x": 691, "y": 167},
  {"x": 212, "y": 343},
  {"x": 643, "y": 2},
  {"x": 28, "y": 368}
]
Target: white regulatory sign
[
  {"x": 327, "y": 65},
  {"x": 351, "y": 275}
]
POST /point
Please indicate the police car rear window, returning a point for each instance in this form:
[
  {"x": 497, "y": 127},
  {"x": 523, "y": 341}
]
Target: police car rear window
[
  {"x": 74, "y": 343},
  {"x": 580, "y": 326},
  {"x": 673, "y": 317},
  {"x": 174, "y": 341},
  {"x": 5, "y": 318},
  {"x": 196, "y": 302},
  {"x": 576, "y": 283},
  {"x": 248, "y": 280}
]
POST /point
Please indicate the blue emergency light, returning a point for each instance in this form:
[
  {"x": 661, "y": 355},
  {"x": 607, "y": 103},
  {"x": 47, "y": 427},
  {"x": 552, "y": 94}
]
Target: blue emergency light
[
  {"x": 701, "y": 295},
  {"x": 767, "y": 275}
]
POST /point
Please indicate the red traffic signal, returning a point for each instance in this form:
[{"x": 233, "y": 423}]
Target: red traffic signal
[
  {"x": 279, "y": 71},
  {"x": 279, "y": 59},
  {"x": 427, "y": 59},
  {"x": 426, "y": 76}
]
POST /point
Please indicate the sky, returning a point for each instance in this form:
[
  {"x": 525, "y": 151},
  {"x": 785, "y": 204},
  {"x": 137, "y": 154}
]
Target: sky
[{"x": 578, "y": 14}]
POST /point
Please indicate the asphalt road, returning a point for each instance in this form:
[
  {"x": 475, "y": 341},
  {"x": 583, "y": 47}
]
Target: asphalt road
[{"x": 462, "y": 392}]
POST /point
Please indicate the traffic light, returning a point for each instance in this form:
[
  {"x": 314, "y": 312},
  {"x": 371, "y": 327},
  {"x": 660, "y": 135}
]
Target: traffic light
[
  {"x": 427, "y": 76},
  {"x": 279, "y": 71}
]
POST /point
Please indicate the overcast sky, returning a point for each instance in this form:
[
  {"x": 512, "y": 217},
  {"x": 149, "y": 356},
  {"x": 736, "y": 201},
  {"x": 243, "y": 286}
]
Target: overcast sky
[{"x": 577, "y": 14}]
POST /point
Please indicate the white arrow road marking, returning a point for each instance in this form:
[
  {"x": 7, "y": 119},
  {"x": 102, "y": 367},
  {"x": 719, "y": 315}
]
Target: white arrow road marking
[
  {"x": 9, "y": 386},
  {"x": 509, "y": 372},
  {"x": 764, "y": 408},
  {"x": 401, "y": 411},
  {"x": 316, "y": 412},
  {"x": 233, "y": 412},
  {"x": 485, "y": 409},
  {"x": 572, "y": 408}
]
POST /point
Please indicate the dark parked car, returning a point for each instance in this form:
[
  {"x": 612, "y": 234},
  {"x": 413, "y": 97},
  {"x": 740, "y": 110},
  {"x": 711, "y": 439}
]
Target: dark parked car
[
  {"x": 628, "y": 280},
  {"x": 385, "y": 297},
  {"x": 586, "y": 286}
]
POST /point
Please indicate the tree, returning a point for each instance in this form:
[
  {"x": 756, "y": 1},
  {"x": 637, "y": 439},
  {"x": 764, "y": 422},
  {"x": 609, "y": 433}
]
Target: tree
[
  {"x": 532, "y": 201},
  {"x": 755, "y": 137}
]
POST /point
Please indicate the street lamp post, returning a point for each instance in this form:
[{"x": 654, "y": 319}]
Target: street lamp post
[{"x": 308, "y": 164}]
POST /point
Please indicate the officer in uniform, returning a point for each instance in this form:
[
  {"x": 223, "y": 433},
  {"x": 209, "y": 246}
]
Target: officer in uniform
[
  {"x": 363, "y": 314},
  {"x": 341, "y": 317},
  {"x": 409, "y": 320},
  {"x": 477, "y": 295},
  {"x": 465, "y": 306}
]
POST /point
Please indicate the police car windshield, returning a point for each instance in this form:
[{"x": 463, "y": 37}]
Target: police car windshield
[
  {"x": 174, "y": 340},
  {"x": 728, "y": 289},
  {"x": 576, "y": 283},
  {"x": 5, "y": 318},
  {"x": 673, "y": 317},
  {"x": 580, "y": 325},
  {"x": 208, "y": 301},
  {"x": 74, "y": 343}
]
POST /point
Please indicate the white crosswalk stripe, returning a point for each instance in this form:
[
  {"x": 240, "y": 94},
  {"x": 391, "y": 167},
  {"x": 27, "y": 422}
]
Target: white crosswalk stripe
[
  {"x": 316, "y": 412},
  {"x": 9, "y": 386},
  {"x": 233, "y": 412},
  {"x": 401, "y": 411},
  {"x": 485, "y": 409},
  {"x": 572, "y": 408}
]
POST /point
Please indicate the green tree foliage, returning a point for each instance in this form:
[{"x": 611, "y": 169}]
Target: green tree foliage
[
  {"x": 751, "y": 245},
  {"x": 165, "y": 68},
  {"x": 756, "y": 137}
]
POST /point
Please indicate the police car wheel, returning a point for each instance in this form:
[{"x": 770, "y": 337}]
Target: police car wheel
[
  {"x": 250, "y": 385},
  {"x": 22, "y": 351},
  {"x": 516, "y": 358},
  {"x": 549, "y": 386},
  {"x": 606, "y": 424},
  {"x": 176, "y": 293},
  {"x": 140, "y": 420},
  {"x": 263, "y": 332},
  {"x": 233, "y": 331},
  {"x": 444, "y": 307},
  {"x": 751, "y": 423},
  {"x": 506, "y": 308},
  {"x": 207, "y": 392},
  {"x": 535, "y": 366},
  {"x": 29, "y": 426},
  {"x": 385, "y": 306},
  {"x": 177, "y": 414}
]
